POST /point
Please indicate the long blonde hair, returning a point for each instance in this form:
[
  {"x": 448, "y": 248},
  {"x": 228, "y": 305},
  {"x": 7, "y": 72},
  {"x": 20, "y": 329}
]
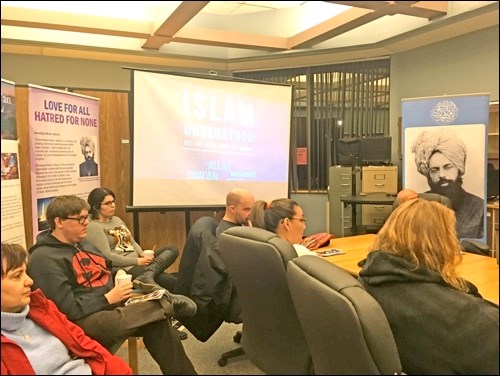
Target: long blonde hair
[{"x": 423, "y": 233}]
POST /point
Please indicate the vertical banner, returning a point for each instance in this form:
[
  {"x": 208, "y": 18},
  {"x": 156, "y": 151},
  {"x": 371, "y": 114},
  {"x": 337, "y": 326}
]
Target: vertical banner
[
  {"x": 64, "y": 148},
  {"x": 444, "y": 151},
  {"x": 12, "y": 203}
]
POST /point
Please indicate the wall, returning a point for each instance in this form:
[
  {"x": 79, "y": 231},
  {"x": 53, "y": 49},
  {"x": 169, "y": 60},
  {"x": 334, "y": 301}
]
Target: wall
[{"x": 466, "y": 64}]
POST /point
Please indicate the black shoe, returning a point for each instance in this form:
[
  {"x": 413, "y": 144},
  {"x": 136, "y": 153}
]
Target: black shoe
[{"x": 183, "y": 306}]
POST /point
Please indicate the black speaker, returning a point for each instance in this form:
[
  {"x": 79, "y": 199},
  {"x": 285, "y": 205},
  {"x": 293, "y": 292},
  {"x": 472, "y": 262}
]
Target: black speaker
[
  {"x": 348, "y": 152},
  {"x": 376, "y": 150}
]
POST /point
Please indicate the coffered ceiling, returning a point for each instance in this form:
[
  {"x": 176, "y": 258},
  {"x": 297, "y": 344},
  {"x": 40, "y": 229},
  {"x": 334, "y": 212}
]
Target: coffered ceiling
[{"x": 235, "y": 34}]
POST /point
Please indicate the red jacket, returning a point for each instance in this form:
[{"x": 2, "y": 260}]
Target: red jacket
[{"x": 45, "y": 313}]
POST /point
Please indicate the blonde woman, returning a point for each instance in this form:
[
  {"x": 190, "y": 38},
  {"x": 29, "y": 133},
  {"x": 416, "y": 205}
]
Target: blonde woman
[{"x": 440, "y": 322}]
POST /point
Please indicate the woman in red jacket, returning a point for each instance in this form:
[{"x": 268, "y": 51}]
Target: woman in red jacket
[{"x": 36, "y": 337}]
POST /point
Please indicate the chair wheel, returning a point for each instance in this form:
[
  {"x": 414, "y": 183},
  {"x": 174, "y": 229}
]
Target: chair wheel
[
  {"x": 222, "y": 362},
  {"x": 237, "y": 337}
]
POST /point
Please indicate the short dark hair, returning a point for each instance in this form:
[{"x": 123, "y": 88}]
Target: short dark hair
[
  {"x": 64, "y": 206},
  {"x": 14, "y": 255},
  {"x": 95, "y": 200}
]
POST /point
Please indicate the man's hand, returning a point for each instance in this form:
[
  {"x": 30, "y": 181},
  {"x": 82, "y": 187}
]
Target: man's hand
[{"x": 119, "y": 293}]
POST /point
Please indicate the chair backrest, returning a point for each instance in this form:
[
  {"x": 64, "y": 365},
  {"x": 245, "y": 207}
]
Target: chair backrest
[
  {"x": 429, "y": 196},
  {"x": 346, "y": 330},
  {"x": 202, "y": 276},
  {"x": 272, "y": 337}
]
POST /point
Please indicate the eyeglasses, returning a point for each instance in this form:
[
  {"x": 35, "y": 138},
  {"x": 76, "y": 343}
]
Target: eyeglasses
[
  {"x": 303, "y": 220},
  {"x": 81, "y": 220},
  {"x": 108, "y": 203}
]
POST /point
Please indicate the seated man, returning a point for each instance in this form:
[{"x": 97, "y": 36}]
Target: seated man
[
  {"x": 74, "y": 274},
  {"x": 239, "y": 203}
]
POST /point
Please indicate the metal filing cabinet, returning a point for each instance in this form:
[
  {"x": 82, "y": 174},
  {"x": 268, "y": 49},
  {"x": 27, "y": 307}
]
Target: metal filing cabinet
[
  {"x": 378, "y": 179},
  {"x": 340, "y": 181}
]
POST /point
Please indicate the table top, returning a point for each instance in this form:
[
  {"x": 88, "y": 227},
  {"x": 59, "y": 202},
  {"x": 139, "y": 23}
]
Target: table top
[
  {"x": 482, "y": 271},
  {"x": 375, "y": 198}
]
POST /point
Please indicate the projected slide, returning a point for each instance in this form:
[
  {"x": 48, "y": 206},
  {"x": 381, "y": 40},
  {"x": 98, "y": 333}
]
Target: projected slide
[{"x": 196, "y": 138}]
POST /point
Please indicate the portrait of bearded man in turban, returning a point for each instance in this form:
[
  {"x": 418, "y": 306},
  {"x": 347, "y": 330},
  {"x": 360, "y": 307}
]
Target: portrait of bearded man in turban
[{"x": 440, "y": 156}]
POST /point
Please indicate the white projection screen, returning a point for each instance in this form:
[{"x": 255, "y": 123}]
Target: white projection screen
[{"x": 195, "y": 138}]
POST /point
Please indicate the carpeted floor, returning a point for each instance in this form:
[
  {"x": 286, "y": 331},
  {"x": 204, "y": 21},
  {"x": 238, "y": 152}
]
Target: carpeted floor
[{"x": 203, "y": 355}]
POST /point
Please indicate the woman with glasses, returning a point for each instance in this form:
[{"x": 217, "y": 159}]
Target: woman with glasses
[
  {"x": 113, "y": 238},
  {"x": 284, "y": 217}
]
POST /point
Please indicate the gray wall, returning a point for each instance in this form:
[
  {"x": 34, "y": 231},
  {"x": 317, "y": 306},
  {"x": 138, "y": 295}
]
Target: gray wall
[{"x": 463, "y": 65}]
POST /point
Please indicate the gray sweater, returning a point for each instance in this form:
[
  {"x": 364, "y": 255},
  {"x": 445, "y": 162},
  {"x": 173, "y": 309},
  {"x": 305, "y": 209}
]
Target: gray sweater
[{"x": 115, "y": 241}]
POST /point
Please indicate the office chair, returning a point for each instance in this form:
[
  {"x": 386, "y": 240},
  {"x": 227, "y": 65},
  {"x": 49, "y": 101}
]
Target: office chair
[
  {"x": 346, "y": 330},
  {"x": 203, "y": 277},
  {"x": 272, "y": 337}
]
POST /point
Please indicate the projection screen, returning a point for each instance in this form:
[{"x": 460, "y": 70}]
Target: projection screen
[{"x": 195, "y": 138}]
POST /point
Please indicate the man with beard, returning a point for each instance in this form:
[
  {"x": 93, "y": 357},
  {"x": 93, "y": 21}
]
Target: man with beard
[
  {"x": 89, "y": 167},
  {"x": 440, "y": 156},
  {"x": 239, "y": 204}
]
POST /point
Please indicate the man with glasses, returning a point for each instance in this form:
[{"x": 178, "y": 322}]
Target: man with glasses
[{"x": 74, "y": 274}]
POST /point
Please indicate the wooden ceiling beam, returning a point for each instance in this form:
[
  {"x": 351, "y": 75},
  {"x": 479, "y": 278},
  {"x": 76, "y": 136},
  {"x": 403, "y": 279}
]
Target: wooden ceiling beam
[
  {"x": 174, "y": 23},
  {"x": 231, "y": 39}
]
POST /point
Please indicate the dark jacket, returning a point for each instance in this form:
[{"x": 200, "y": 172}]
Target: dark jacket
[
  {"x": 75, "y": 278},
  {"x": 203, "y": 277},
  {"x": 438, "y": 329},
  {"x": 44, "y": 313}
]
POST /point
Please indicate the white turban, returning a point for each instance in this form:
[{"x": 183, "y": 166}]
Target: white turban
[{"x": 444, "y": 141}]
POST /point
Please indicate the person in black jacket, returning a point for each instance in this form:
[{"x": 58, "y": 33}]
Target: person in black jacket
[
  {"x": 239, "y": 203},
  {"x": 76, "y": 276},
  {"x": 440, "y": 322}
]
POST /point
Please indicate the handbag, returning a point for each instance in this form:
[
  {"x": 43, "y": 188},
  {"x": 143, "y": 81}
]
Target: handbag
[{"x": 317, "y": 240}]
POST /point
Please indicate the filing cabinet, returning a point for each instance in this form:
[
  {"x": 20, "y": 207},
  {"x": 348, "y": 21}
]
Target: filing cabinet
[
  {"x": 340, "y": 184},
  {"x": 378, "y": 179}
]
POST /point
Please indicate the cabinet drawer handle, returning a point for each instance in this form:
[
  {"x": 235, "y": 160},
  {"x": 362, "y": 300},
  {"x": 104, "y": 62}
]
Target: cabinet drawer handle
[{"x": 379, "y": 185}]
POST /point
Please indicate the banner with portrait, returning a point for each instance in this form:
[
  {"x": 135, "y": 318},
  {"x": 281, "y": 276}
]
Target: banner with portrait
[
  {"x": 64, "y": 147},
  {"x": 12, "y": 202},
  {"x": 445, "y": 151}
]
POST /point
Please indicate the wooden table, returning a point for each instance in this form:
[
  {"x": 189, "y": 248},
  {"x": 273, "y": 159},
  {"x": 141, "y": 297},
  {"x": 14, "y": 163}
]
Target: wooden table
[{"x": 480, "y": 270}]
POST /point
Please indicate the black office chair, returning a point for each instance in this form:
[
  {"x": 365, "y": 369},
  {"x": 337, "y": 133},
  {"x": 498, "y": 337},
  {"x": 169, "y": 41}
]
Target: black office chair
[
  {"x": 346, "y": 330},
  {"x": 272, "y": 337}
]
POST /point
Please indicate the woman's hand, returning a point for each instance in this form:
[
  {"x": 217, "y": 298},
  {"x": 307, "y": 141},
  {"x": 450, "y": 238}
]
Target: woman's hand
[{"x": 143, "y": 261}]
